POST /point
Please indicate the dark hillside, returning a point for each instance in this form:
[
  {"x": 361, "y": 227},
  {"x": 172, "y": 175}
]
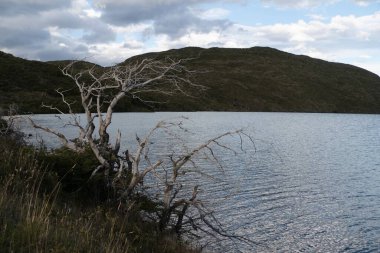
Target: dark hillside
[
  {"x": 29, "y": 83},
  {"x": 253, "y": 79},
  {"x": 266, "y": 79}
]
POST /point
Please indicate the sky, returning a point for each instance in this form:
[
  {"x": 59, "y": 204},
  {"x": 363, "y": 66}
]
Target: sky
[{"x": 109, "y": 31}]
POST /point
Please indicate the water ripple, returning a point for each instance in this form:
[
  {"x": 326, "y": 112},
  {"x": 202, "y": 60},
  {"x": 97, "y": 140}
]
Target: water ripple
[{"x": 312, "y": 185}]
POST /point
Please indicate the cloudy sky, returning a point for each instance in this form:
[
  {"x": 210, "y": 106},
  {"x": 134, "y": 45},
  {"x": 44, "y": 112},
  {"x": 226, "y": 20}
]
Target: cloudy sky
[{"x": 109, "y": 31}]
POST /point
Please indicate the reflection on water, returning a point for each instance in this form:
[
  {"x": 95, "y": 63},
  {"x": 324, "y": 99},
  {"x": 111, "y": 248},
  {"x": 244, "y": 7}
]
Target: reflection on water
[{"x": 313, "y": 184}]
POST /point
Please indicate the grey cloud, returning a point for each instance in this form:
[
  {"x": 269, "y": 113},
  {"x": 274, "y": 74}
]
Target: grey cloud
[
  {"x": 80, "y": 49},
  {"x": 54, "y": 53},
  {"x": 53, "y": 50},
  {"x": 178, "y": 24},
  {"x": 15, "y": 37},
  {"x": 62, "y": 19},
  {"x": 25, "y": 31},
  {"x": 15, "y": 7},
  {"x": 174, "y": 24},
  {"x": 48, "y": 50},
  {"x": 132, "y": 46},
  {"x": 134, "y": 11},
  {"x": 170, "y": 17},
  {"x": 25, "y": 24},
  {"x": 40, "y": 21},
  {"x": 27, "y": 36},
  {"x": 122, "y": 13},
  {"x": 100, "y": 34},
  {"x": 95, "y": 29}
]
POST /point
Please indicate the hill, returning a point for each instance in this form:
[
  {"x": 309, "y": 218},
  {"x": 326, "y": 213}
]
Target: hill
[
  {"x": 27, "y": 84},
  {"x": 252, "y": 79}
]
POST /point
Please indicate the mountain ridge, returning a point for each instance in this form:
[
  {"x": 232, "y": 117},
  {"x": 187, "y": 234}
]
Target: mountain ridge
[{"x": 248, "y": 79}]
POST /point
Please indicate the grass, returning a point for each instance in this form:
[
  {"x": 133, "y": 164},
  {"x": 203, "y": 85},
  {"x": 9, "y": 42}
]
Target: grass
[{"x": 39, "y": 212}]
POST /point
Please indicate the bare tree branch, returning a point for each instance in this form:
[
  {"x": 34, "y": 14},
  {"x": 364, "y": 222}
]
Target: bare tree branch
[{"x": 101, "y": 90}]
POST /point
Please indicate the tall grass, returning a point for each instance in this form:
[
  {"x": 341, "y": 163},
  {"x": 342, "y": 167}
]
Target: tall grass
[{"x": 36, "y": 215}]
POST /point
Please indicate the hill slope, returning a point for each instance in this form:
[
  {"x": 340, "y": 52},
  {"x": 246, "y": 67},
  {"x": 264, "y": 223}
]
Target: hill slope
[
  {"x": 266, "y": 79},
  {"x": 254, "y": 79}
]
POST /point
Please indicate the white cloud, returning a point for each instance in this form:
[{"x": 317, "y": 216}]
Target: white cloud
[
  {"x": 312, "y": 3},
  {"x": 214, "y": 14},
  {"x": 365, "y": 3},
  {"x": 316, "y": 17},
  {"x": 92, "y": 13},
  {"x": 108, "y": 54},
  {"x": 298, "y": 4},
  {"x": 340, "y": 39},
  {"x": 132, "y": 28}
]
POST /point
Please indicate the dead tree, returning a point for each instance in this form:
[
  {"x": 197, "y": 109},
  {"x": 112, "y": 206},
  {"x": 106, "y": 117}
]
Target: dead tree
[
  {"x": 100, "y": 91},
  {"x": 185, "y": 213}
]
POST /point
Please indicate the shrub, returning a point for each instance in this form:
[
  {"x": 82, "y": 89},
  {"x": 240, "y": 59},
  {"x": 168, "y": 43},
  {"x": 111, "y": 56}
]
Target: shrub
[
  {"x": 74, "y": 171},
  {"x": 38, "y": 215}
]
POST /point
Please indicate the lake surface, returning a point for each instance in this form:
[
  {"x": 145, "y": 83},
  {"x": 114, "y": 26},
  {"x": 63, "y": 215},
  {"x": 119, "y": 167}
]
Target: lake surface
[{"x": 310, "y": 184}]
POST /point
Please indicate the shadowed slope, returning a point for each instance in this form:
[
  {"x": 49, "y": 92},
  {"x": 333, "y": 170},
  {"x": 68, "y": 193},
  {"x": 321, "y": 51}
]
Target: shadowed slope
[{"x": 254, "y": 79}]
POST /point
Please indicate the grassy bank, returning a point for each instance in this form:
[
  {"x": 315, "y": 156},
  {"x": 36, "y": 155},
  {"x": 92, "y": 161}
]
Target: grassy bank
[{"x": 47, "y": 206}]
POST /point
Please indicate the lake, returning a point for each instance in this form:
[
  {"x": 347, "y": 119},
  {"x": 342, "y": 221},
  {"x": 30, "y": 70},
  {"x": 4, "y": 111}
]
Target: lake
[{"x": 311, "y": 183}]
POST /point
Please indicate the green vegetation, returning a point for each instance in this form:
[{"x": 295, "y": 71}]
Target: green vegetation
[
  {"x": 48, "y": 206},
  {"x": 28, "y": 83},
  {"x": 266, "y": 79},
  {"x": 253, "y": 79}
]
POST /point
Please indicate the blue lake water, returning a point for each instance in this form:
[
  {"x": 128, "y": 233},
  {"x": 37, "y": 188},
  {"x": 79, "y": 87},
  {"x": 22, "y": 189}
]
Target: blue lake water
[{"x": 311, "y": 183}]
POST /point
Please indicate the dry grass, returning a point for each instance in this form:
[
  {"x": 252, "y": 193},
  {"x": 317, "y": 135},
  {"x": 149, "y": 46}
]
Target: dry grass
[{"x": 34, "y": 217}]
